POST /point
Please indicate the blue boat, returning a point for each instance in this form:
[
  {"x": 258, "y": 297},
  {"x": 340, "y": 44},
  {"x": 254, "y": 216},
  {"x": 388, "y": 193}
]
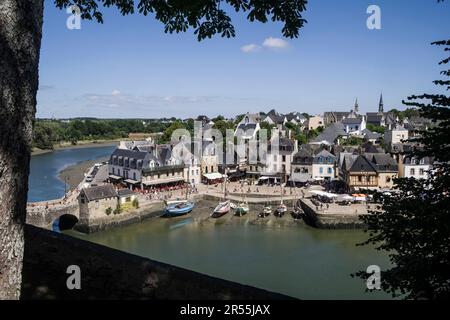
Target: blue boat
[{"x": 178, "y": 208}]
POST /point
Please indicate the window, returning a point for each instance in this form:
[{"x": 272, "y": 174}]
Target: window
[
  {"x": 320, "y": 160},
  {"x": 118, "y": 172},
  {"x": 330, "y": 170},
  {"x": 212, "y": 168},
  {"x": 359, "y": 178},
  {"x": 388, "y": 179},
  {"x": 206, "y": 169},
  {"x": 196, "y": 172},
  {"x": 134, "y": 175},
  {"x": 321, "y": 170},
  {"x": 422, "y": 161},
  {"x": 412, "y": 172},
  {"x": 275, "y": 158},
  {"x": 113, "y": 172},
  {"x": 283, "y": 158},
  {"x": 421, "y": 172}
]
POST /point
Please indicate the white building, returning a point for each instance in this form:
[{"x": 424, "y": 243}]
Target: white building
[
  {"x": 324, "y": 166},
  {"x": 354, "y": 125},
  {"x": 414, "y": 167},
  {"x": 396, "y": 135}
]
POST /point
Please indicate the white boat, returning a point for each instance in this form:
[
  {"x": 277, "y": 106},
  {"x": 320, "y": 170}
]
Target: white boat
[
  {"x": 221, "y": 209},
  {"x": 242, "y": 209}
]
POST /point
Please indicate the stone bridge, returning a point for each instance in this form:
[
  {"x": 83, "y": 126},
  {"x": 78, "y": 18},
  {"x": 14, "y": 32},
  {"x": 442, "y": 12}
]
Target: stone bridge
[{"x": 43, "y": 214}]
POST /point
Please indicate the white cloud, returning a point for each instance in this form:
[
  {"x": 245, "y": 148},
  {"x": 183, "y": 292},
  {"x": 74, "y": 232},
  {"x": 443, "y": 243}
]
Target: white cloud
[
  {"x": 249, "y": 48},
  {"x": 275, "y": 43},
  {"x": 115, "y": 92}
]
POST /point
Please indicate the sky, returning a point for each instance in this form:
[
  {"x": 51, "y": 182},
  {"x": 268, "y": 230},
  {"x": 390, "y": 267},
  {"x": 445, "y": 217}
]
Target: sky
[{"x": 128, "y": 67}]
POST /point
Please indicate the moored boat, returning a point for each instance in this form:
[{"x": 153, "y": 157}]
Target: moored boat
[
  {"x": 265, "y": 212},
  {"x": 242, "y": 209},
  {"x": 221, "y": 209},
  {"x": 280, "y": 210},
  {"x": 178, "y": 208}
]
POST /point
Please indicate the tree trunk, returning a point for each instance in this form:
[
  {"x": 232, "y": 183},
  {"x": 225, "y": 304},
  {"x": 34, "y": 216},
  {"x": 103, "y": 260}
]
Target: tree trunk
[{"x": 20, "y": 42}]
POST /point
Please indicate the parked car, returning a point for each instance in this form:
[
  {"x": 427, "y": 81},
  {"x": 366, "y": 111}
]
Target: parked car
[{"x": 89, "y": 178}]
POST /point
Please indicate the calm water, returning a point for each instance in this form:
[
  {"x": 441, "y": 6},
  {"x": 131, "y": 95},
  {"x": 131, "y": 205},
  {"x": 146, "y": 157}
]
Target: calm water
[
  {"x": 298, "y": 261},
  {"x": 44, "y": 183}
]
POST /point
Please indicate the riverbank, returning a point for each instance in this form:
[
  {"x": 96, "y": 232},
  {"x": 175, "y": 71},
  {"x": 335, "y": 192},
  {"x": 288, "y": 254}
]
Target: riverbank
[
  {"x": 80, "y": 145},
  {"x": 74, "y": 174}
]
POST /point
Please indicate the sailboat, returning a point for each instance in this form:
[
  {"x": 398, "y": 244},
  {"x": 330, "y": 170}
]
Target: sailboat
[
  {"x": 179, "y": 207},
  {"x": 265, "y": 211},
  {"x": 297, "y": 212},
  {"x": 223, "y": 207},
  {"x": 281, "y": 208},
  {"x": 242, "y": 208}
]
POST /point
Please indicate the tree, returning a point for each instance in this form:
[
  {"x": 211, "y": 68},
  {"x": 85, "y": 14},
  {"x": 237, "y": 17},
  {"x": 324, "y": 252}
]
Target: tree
[
  {"x": 414, "y": 224},
  {"x": 20, "y": 42}
]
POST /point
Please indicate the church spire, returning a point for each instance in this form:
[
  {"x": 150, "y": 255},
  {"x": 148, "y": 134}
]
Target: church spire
[
  {"x": 380, "y": 106},
  {"x": 356, "y": 106}
]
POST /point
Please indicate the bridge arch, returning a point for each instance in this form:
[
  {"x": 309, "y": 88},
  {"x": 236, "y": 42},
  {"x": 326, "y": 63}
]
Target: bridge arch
[{"x": 65, "y": 222}]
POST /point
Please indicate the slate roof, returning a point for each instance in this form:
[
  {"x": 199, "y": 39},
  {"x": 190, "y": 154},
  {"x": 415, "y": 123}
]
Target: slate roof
[
  {"x": 352, "y": 121},
  {"x": 125, "y": 192},
  {"x": 362, "y": 164},
  {"x": 374, "y": 117},
  {"x": 303, "y": 157},
  {"x": 409, "y": 161},
  {"x": 331, "y": 133},
  {"x": 383, "y": 162},
  {"x": 100, "y": 192},
  {"x": 276, "y": 118},
  {"x": 127, "y": 153},
  {"x": 324, "y": 154},
  {"x": 371, "y": 135}
]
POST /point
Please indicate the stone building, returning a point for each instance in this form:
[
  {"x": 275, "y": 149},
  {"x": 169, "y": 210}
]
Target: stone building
[{"x": 96, "y": 202}]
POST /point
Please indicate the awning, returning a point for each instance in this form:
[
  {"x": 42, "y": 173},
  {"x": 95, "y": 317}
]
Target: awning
[
  {"x": 163, "y": 181},
  {"x": 111, "y": 176},
  {"x": 131, "y": 181},
  {"x": 213, "y": 176},
  {"x": 324, "y": 194}
]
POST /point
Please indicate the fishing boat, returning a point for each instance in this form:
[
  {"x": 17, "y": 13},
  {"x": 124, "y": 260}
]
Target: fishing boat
[
  {"x": 265, "y": 211},
  {"x": 221, "y": 209},
  {"x": 178, "y": 208}
]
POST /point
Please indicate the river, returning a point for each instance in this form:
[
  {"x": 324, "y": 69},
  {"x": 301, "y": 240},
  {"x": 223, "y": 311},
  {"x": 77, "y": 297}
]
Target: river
[
  {"x": 43, "y": 183},
  {"x": 299, "y": 261}
]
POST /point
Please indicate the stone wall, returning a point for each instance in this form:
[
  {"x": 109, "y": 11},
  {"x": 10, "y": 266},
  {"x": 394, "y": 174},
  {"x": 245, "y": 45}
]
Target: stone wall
[
  {"x": 334, "y": 221},
  {"x": 111, "y": 274}
]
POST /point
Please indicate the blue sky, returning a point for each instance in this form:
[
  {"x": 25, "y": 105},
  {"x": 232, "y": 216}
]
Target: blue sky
[{"x": 128, "y": 67}]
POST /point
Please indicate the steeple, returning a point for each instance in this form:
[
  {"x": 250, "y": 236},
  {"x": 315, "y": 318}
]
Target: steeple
[
  {"x": 356, "y": 106},
  {"x": 380, "y": 106}
]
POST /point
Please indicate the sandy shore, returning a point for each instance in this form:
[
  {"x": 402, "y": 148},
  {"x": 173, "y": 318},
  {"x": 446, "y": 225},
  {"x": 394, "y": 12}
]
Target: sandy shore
[
  {"x": 74, "y": 174},
  {"x": 79, "y": 145}
]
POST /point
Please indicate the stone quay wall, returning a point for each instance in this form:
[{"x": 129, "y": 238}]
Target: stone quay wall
[{"x": 329, "y": 221}]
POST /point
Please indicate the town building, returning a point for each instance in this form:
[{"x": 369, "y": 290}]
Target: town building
[
  {"x": 302, "y": 166},
  {"x": 274, "y": 118},
  {"x": 397, "y": 134},
  {"x": 97, "y": 202},
  {"x": 415, "y": 167},
  {"x": 323, "y": 166},
  {"x": 315, "y": 122}
]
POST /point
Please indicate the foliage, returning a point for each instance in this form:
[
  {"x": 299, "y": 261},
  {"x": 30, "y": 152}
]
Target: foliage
[
  {"x": 135, "y": 203},
  {"x": 407, "y": 113},
  {"x": 222, "y": 125},
  {"x": 267, "y": 126},
  {"x": 352, "y": 141},
  {"x": 108, "y": 211},
  {"x": 206, "y": 17},
  {"x": 414, "y": 225},
  {"x": 167, "y": 136},
  {"x": 118, "y": 209},
  {"x": 50, "y": 132},
  {"x": 375, "y": 128}
]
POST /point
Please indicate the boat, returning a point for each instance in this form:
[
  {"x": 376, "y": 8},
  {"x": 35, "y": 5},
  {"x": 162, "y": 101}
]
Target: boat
[
  {"x": 280, "y": 210},
  {"x": 221, "y": 209},
  {"x": 242, "y": 209},
  {"x": 178, "y": 208},
  {"x": 297, "y": 212},
  {"x": 265, "y": 211}
]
